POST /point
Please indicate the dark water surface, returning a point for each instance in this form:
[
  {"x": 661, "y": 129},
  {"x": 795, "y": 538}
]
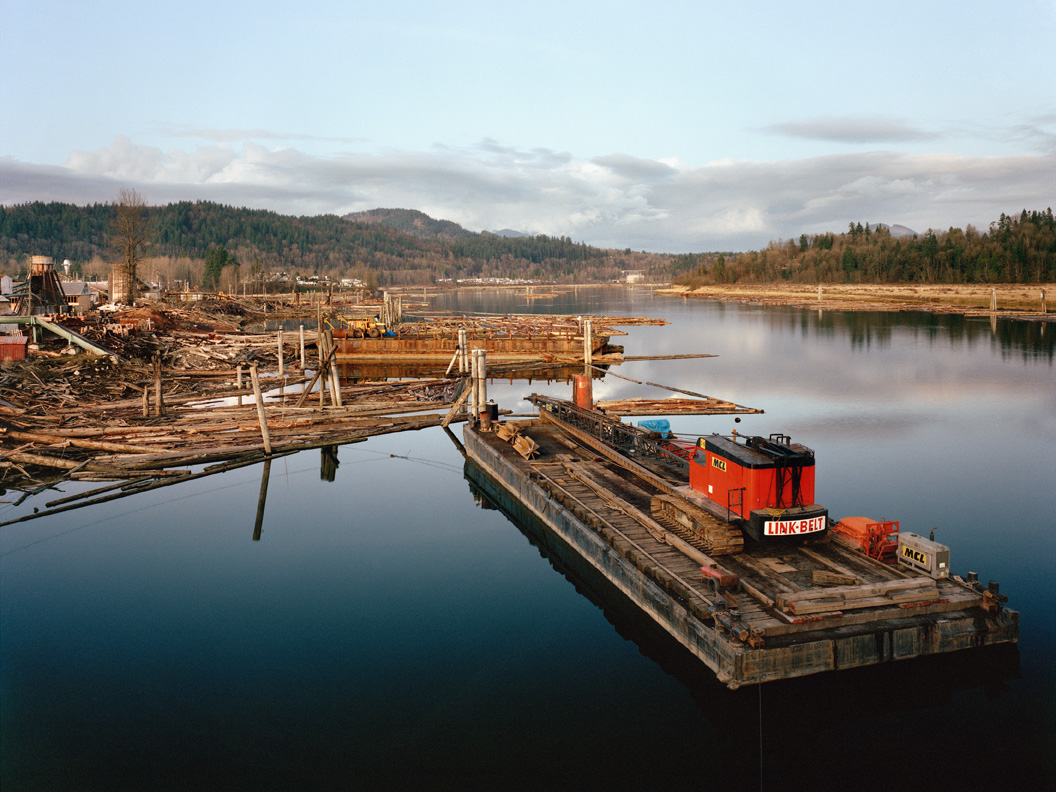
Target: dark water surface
[{"x": 386, "y": 632}]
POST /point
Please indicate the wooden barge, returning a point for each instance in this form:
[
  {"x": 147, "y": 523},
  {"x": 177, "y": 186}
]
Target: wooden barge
[
  {"x": 501, "y": 347},
  {"x": 765, "y": 612}
]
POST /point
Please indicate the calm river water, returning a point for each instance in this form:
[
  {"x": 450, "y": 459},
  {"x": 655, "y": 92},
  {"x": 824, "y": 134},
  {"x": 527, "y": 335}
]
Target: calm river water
[{"x": 386, "y": 632}]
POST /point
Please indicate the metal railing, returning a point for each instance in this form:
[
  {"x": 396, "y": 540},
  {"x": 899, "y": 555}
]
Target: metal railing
[{"x": 630, "y": 440}]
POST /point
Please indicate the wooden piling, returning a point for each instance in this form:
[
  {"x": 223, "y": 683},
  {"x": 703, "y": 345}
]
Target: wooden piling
[
  {"x": 588, "y": 346},
  {"x": 159, "y": 406},
  {"x": 302, "y": 347},
  {"x": 335, "y": 379},
  {"x": 324, "y": 355},
  {"x": 260, "y": 410},
  {"x": 281, "y": 371},
  {"x": 474, "y": 411},
  {"x": 481, "y": 371}
]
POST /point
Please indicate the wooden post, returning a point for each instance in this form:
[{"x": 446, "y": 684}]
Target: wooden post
[
  {"x": 146, "y": 402},
  {"x": 239, "y": 384},
  {"x": 159, "y": 406},
  {"x": 993, "y": 299},
  {"x": 335, "y": 380},
  {"x": 819, "y": 292},
  {"x": 302, "y": 347},
  {"x": 323, "y": 366},
  {"x": 588, "y": 346},
  {"x": 474, "y": 409},
  {"x": 281, "y": 371},
  {"x": 461, "y": 400},
  {"x": 451, "y": 365},
  {"x": 260, "y": 410},
  {"x": 1043, "y": 301},
  {"x": 482, "y": 377}
]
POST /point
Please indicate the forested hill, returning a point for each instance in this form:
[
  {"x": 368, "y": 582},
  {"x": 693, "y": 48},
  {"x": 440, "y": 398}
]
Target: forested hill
[
  {"x": 412, "y": 222},
  {"x": 396, "y": 246},
  {"x": 399, "y": 246}
]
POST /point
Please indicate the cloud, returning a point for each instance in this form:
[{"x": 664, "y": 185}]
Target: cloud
[
  {"x": 852, "y": 129},
  {"x": 634, "y": 168},
  {"x": 614, "y": 201},
  {"x": 236, "y": 135}
]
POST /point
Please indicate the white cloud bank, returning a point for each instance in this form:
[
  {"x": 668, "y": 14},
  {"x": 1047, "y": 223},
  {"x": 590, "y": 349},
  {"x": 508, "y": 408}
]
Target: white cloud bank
[{"x": 613, "y": 201}]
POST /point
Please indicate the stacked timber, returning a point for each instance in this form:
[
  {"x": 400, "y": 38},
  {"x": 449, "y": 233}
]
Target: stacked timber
[{"x": 891, "y": 592}]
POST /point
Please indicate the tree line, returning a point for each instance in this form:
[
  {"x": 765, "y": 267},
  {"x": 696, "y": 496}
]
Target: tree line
[
  {"x": 199, "y": 242},
  {"x": 1016, "y": 249},
  {"x": 320, "y": 245}
]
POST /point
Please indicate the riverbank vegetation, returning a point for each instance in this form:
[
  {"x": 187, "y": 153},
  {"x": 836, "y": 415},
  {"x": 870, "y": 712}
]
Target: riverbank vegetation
[{"x": 1016, "y": 249}]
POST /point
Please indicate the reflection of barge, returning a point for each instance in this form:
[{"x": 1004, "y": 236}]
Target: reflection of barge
[{"x": 765, "y": 612}]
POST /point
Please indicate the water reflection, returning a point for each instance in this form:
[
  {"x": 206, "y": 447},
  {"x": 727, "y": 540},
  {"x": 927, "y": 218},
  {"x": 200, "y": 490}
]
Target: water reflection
[
  {"x": 1031, "y": 339},
  {"x": 328, "y": 463},
  {"x": 265, "y": 476},
  {"x": 868, "y": 330}
]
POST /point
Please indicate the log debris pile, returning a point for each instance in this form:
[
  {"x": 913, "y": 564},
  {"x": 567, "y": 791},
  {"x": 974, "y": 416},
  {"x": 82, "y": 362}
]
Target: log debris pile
[
  {"x": 177, "y": 393},
  {"x": 64, "y": 436},
  {"x": 181, "y": 396}
]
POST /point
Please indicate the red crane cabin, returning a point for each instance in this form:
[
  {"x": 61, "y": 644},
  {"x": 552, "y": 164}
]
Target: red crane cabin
[{"x": 767, "y": 483}]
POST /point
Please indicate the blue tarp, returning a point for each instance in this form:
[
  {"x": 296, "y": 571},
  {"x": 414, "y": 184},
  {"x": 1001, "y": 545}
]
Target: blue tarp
[{"x": 661, "y": 425}]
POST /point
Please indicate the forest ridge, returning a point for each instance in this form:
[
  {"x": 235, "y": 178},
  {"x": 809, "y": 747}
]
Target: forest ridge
[{"x": 398, "y": 246}]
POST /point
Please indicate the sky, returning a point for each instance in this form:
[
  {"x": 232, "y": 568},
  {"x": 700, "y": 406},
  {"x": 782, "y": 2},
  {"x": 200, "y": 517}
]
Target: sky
[{"x": 659, "y": 126}]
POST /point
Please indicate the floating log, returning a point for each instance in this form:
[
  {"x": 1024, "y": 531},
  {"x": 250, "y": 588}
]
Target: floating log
[{"x": 702, "y": 406}]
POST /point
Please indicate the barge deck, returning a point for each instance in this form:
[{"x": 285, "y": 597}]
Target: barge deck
[{"x": 778, "y": 621}]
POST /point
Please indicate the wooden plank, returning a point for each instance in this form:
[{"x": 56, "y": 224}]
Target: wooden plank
[
  {"x": 782, "y": 584},
  {"x": 817, "y": 604},
  {"x": 822, "y": 578},
  {"x": 848, "y": 551},
  {"x": 870, "y": 590},
  {"x": 832, "y": 564}
]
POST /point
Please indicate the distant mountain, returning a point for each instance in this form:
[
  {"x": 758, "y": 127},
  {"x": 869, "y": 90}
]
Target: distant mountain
[
  {"x": 413, "y": 222},
  {"x": 898, "y": 231},
  {"x": 510, "y": 233}
]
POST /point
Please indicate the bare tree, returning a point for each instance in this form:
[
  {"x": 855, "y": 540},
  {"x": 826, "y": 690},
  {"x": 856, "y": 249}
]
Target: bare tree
[{"x": 131, "y": 237}]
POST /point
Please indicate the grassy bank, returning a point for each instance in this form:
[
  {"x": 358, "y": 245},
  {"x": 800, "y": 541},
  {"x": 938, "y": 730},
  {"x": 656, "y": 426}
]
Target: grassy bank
[{"x": 1024, "y": 300}]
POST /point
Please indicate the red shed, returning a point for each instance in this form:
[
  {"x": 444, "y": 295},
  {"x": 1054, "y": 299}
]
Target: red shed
[{"x": 13, "y": 347}]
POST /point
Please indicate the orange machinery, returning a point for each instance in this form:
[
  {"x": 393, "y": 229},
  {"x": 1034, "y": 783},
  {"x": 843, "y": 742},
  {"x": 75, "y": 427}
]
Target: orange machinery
[{"x": 877, "y": 539}]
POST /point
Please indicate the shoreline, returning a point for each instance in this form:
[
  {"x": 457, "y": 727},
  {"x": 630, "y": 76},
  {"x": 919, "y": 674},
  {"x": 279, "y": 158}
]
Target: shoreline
[{"x": 1013, "y": 300}]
